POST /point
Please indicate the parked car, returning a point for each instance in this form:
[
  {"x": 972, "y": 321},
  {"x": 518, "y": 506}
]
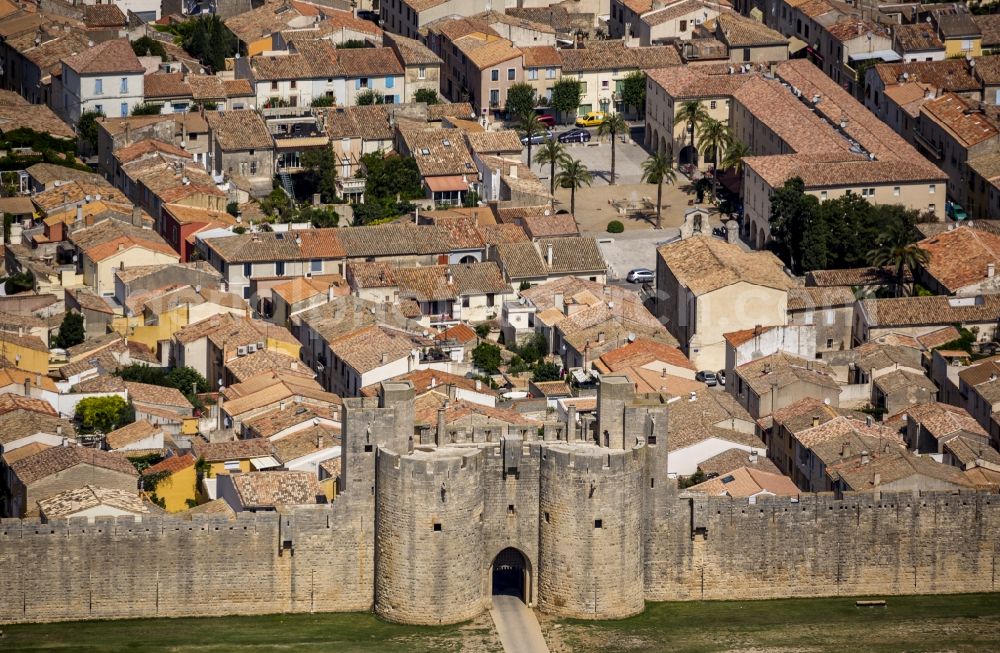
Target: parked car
[
  {"x": 575, "y": 135},
  {"x": 721, "y": 232},
  {"x": 640, "y": 275},
  {"x": 721, "y": 375},
  {"x": 537, "y": 138},
  {"x": 547, "y": 120},
  {"x": 955, "y": 211},
  {"x": 708, "y": 377},
  {"x": 592, "y": 119},
  {"x": 369, "y": 15}
]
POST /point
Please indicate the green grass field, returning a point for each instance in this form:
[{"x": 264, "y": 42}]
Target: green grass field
[
  {"x": 963, "y": 623},
  {"x": 968, "y": 622}
]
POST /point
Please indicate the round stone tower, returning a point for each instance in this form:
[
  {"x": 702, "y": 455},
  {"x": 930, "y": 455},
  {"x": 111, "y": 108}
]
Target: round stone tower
[
  {"x": 429, "y": 536},
  {"x": 590, "y": 514}
]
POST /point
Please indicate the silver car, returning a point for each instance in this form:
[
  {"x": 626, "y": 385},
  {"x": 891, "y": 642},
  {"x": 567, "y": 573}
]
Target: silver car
[{"x": 640, "y": 275}]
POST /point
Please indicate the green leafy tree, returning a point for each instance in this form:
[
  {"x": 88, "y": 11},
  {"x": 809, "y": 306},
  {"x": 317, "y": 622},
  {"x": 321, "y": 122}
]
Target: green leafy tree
[
  {"x": 902, "y": 256},
  {"x": 543, "y": 371},
  {"x": 714, "y": 137},
  {"x": 103, "y": 414},
  {"x": 566, "y": 96},
  {"x": 71, "y": 331},
  {"x": 278, "y": 205},
  {"x": 368, "y": 97},
  {"x": 573, "y": 174},
  {"x": 533, "y": 349},
  {"x": 693, "y": 113},
  {"x": 520, "y": 100},
  {"x": 552, "y": 153},
  {"x": 323, "y": 101},
  {"x": 530, "y": 128},
  {"x": 615, "y": 227},
  {"x": 320, "y": 172},
  {"x": 482, "y": 330},
  {"x": 792, "y": 210},
  {"x": 233, "y": 209},
  {"x": 319, "y": 217},
  {"x": 209, "y": 40},
  {"x": 486, "y": 356},
  {"x": 634, "y": 91},
  {"x": 389, "y": 176},
  {"x": 613, "y": 125},
  {"x": 659, "y": 169},
  {"x": 145, "y": 46},
  {"x": 352, "y": 44},
  {"x": 426, "y": 95},
  {"x": 19, "y": 282},
  {"x": 147, "y": 109},
  {"x": 87, "y": 127}
]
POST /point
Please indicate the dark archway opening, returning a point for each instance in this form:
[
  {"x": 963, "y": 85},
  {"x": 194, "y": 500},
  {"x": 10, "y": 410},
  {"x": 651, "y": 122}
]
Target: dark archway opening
[
  {"x": 688, "y": 156},
  {"x": 510, "y": 574}
]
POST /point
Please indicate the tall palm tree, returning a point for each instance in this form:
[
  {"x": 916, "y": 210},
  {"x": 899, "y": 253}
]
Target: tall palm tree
[
  {"x": 572, "y": 175},
  {"x": 692, "y": 112},
  {"x": 733, "y": 158},
  {"x": 530, "y": 127},
  {"x": 553, "y": 153},
  {"x": 714, "y": 137},
  {"x": 659, "y": 169},
  {"x": 902, "y": 255},
  {"x": 613, "y": 124}
]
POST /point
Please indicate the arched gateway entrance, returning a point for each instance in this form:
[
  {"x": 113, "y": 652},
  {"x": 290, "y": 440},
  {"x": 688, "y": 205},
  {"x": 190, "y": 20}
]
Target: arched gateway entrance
[{"x": 511, "y": 575}]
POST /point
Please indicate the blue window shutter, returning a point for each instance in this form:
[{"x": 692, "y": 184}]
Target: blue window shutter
[
  {"x": 389, "y": 81},
  {"x": 357, "y": 84}
]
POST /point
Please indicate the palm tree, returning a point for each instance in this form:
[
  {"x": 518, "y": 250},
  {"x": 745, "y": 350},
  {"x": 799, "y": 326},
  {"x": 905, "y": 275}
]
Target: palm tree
[
  {"x": 553, "y": 153},
  {"x": 692, "y": 112},
  {"x": 733, "y": 158},
  {"x": 901, "y": 255},
  {"x": 659, "y": 169},
  {"x": 530, "y": 127},
  {"x": 572, "y": 175},
  {"x": 613, "y": 124},
  {"x": 714, "y": 137}
]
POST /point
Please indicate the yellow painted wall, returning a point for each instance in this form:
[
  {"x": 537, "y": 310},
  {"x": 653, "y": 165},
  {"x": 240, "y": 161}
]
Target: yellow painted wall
[
  {"x": 217, "y": 468},
  {"x": 259, "y": 46},
  {"x": 287, "y": 348},
  {"x": 33, "y": 361},
  {"x": 953, "y": 48},
  {"x": 176, "y": 489}
]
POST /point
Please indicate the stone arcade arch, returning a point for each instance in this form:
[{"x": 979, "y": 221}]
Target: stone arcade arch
[{"x": 510, "y": 574}]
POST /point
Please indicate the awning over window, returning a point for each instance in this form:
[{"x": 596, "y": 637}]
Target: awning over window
[
  {"x": 444, "y": 184},
  {"x": 794, "y": 45}
]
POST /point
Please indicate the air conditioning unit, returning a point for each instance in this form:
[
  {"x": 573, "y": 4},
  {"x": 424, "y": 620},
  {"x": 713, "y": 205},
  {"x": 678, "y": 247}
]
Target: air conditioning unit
[
  {"x": 320, "y": 367},
  {"x": 251, "y": 348},
  {"x": 241, "y": 351},
  {"x": 260, "y": 345}
]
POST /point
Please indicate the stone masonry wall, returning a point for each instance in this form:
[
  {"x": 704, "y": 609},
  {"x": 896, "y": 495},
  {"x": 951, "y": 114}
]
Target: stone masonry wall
[{"x": 720, "y": 548}]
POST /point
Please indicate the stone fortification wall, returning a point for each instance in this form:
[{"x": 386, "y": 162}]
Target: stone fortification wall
[
  {"x": 429, "y": 542},
  {"x": 590, "y": 553},
  {"x": 316, "y": 560},
  {"x": 721, "y": 548}
]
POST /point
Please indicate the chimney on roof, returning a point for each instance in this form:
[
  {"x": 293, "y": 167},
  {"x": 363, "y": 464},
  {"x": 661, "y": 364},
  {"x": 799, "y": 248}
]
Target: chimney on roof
[
  {"x": 451, "y": 277},
  {"x": 385, "y": 357},
  {"x": 479, "y": 385},
  {"x": 815, "y": 420},
  {"x": 136, "y": 216},
  {"x": 991, "y": 269},
  {"x": 548, "y": 254},
  {"x": 434, "y": 381},
  {"x": 319, "y": 440},
  {"x": 79, "y": 213},
  {"x": 753, "y": 456},
  {"x": 869, "y": 421},
  {"x": 27, "y": 386},
  {"x": 845, "y": 450},
  {"x": 865, "y": 459},
  {"x": 876, "y": 479},
  {"x": 513, "y": 171},
  {"x": 692, "y": 396},
  {"x": 439, "y": 438},
  {"x": 600, "y": 336},
  {"x": 558, "y": 302}
]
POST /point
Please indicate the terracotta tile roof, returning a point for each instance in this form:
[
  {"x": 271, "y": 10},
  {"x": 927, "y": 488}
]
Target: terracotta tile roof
[
  {"x": 165, "y": 85},
  {"x": 614, "y": 55},
  {"x": 171, "y": 465},
  {"x": 369, "y": 123},
  {"x": 438, "y": 152},
  {"x": 274, "y": 489},
  {"x": 273, "y": 16},
  {"x": 377, "y": 274},
  {"x": 809, "y": 412},
  {"x": 947, "y": 75},
  {"x": 498, "y": 234},
  {"x": 643, "y": 352},
  {"x": 156, "y": 394},
  {"x": 959, "y": 118},
  {"x": 374, "y": 346},
  {"x": 146, "y": 146},
  {"x": 465, "y": 413},
  {"x": 961, "y": 257},
  {"x": 811, "y": 298},
  {"x": 243, "y": 129},
  {"x": 428, "y": 283},
  {"x": 40, "y": 118},
  {"x": 459, "y": 333},
  {"x": 436, "y": 112},
  {"x": 573, "y": 255},
  {"x": 971, "y": 451},
  {"x": 103, "y": 16},
  {"x": 367, "y": 62},
  {"x": 781, "y": 370},
  {"x": 741, "y": 32},
  {"x": 394, "y": 239},
  {"x": 734, "y": 458},
  {"x": 955, "y": 22},
  {"x": 989, "y": 27},
  {"x": 541, "y": 56},
  {"x": 292, "y": 414},
  {"x": 15, "y": 376},
  {"x": 12, "y": 99},
  {"x": 21, "y": 422},
  {"x": 520, "y": 260},
  {"x": 673, "y": 11},
  {"x": 942, "y": 420},
  {"x": 704, "y": 264},
  {"x": 412, "y": 52},
  {"x": 11, "y": 402},
  {"x": 298, "y": 289},
  {"x": 462, "y": 231},
  {"x": 70, "y": 502},
  {"x": 114, "y": 56},
  {"x": 851, "y": 27},
  {"x": 26, "y": 451},
  {"x": 486, "y": 51},
  {"x": 264, "y": 360},
  {"x": 747, "y": 482},
  {"x": 708, "y": 416},
  {"x": 936, "y": 310},
  {"x": 854, "y": 277},
  {"x": 937, "y": 338},
  {"x": 306, "y": 442},
  {"x": 495, "y": 142},
  {"x": 891, "y": 466},
  {"x": 57, "y": 459},
  {"x": 919, "y": 37},
  {"x": 232, "y": 450},
  {"x": 134, "y": 432}
]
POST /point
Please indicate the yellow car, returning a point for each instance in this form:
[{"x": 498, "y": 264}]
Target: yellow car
[{"x": 592, "y": 119}]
